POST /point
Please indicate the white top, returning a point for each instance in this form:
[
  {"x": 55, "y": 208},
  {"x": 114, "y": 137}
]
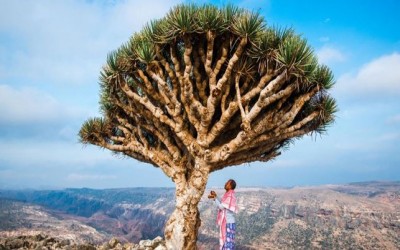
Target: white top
[{"x": 230, "y": 218}]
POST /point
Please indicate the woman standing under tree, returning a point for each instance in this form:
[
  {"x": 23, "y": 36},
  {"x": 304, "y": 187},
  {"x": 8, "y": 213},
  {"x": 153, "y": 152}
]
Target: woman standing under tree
[{"x": 226, "y": 219}]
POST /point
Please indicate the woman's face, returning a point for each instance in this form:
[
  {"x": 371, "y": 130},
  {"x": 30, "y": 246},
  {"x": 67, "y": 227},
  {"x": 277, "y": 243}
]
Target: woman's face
[{"x": 228, "y": 185}]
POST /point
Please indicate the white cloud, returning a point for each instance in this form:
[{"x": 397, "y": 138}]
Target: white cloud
[
  {"x": 324, "y": 39},
  {"x": 88, "y": 177},
  {"x": 52, "y": 155},
  {"x": 389, "y": 137},
  {"x": 26, "y": 104},
  {"x": 393, "y": 120},
  {"x": 287, "y": 163},
  {"x": 355, "y": 146},
  {"x": 66, "y": 42},
  {"x": 29, "y": 105},
  {"x": 248, "y": 4},
  {"x": 328, "y": 55},
  {"x": 379, "y": 78}
]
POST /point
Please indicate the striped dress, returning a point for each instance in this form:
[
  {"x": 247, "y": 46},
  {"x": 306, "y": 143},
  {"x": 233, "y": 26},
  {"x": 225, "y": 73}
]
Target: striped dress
[{"x": 226, "y": 220}]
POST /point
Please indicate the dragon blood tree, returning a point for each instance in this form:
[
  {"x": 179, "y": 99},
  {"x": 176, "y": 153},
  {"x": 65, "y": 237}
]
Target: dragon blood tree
[{"x": 205, "y": 88}]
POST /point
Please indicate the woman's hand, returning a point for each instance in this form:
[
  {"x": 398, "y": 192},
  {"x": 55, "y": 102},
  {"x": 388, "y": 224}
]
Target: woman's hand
[{"x": 212, "y": 195}]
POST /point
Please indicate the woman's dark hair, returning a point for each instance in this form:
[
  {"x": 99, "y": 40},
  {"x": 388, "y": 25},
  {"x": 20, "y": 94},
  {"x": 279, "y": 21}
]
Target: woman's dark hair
[{"x": 233, "y": 183}]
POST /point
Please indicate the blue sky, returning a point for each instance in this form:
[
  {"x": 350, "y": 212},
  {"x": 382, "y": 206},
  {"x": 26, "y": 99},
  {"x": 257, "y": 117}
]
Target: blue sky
[{"x": 51, "y": 53}]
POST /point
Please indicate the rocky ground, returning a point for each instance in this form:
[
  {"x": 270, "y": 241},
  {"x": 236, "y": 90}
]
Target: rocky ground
[{"x": 44, "y": 242}]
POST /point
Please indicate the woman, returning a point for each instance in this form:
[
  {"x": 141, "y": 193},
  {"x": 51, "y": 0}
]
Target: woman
[{"x": 226, "y": 219}]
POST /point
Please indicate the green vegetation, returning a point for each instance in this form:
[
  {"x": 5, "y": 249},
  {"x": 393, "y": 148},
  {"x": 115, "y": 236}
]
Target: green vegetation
[
  {"x": 11, "y": 215},
  {"x": 296, "y": 235},
  {"x": 255, "y": 225}
]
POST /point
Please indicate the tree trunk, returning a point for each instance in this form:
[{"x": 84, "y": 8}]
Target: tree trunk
[{"x": 183, "y": 225}]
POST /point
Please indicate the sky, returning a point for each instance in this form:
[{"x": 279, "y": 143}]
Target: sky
[{"x": 51, "y": 53}]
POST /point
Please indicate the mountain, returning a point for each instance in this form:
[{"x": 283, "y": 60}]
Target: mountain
[
  {"x": 129, "y": 214},
  {"x": 352, "y": 216},
  {"x": 18, "y": 218}
]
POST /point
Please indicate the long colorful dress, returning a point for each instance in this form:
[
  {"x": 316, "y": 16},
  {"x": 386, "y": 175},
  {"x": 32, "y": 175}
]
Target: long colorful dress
[{"x": 226, "y": 220}]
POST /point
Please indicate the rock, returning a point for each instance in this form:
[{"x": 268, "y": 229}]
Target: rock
[
  {"x": 113, "y": 242},
  {"x": 158, "y": 239},
  {"x": 65, "y": 242},
  {"x": 32, "y": 245},
  {"x": 48, "y": 242},
  {"x": 157, "y": 243},
  {"x": 160, "y": 247},
  {"x": 14, "y": 244},
  {"x": 105, "y": 246},
  {"x": 118, "y": 247},
  {"x": 40, "y": 248},
  {"x": 86, "y": 247},
  {"x": 38, "y": 237},
  {"x": 131, "y": 246},
  {"x": 145, "y": 243},
  {"x": 41, "y": 242}
]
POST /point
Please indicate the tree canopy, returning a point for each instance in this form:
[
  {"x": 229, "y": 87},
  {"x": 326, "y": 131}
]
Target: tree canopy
[{"x": 210, "y": 82}]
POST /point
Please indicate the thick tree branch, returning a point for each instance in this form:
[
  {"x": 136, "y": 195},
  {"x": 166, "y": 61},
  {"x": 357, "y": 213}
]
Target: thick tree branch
[
  {"x": 134, "y": 149},
  {"x": 245, "y": 122},
  {"x": 178, "y": 127},
  {"x": 233, "y": 107},
  {"x": 210, "y": 50},
  {"x": 261, "y": 155},
  {"x": 224, "y": 97},
  {"x": 263, "y": 99},
  {"x": 157, "y": 112},
  {"x": 177, "y": 65},
  {"x": 170, "y": 98},
  {"x": 272, "y": 136},
  {"x": 215, "y": 91},
  {"x": 288, "y": 118},
  {"x": 245, "y": 137},
  {"x": 148, "y": 87},
  {"x": 221, "y": 60},
  {"x": 191, "y": 104},
  {"x": 171, "y": 73},
  {"x": 200, "y": 82}
]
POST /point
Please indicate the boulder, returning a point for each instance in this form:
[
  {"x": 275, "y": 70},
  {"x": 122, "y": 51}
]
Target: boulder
[
  {"x": 14, "y": 244},
  {"x": 113, "y": 242}
]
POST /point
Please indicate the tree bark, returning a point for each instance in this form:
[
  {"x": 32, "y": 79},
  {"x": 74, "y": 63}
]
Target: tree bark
[{"x": 182, "y": 227}]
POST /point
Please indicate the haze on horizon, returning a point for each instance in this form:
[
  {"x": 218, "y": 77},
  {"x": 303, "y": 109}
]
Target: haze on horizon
[{"x": 51, "y": 53}]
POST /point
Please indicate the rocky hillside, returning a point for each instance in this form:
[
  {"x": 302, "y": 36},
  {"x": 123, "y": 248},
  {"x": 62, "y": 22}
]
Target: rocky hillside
[
  {"x": 358, "y": 216},
  {"x": 96, "y": 215},
  {"x": 354, "y": 216},
  {"x": 45, "y": 242}
]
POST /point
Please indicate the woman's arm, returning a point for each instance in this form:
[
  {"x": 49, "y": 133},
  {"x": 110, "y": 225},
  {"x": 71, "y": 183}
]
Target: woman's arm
[{"x": 219, "y": 204}]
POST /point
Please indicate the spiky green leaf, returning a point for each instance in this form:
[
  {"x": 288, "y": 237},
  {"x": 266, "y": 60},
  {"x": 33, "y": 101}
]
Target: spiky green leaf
[
  {"x": 248, "y": 25},
  {"x": 156, "y": 31},
  {"x": 143, "y": 48},
  {"x": 209, "y": 17},
  {"x": 323, "y": 76},
  {"x": 92, "y": 130},
  {"x": 295, "y": 54},
  {"x": 230, "y": 13},
  {"x": 180, "y": 20}
]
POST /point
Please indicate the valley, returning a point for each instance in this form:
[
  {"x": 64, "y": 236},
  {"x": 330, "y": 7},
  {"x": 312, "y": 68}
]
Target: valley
[{"x": 348, "y": 216}]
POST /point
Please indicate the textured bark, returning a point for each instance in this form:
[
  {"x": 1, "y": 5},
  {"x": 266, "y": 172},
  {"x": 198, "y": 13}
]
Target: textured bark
[{"x": 182, "y": 227}]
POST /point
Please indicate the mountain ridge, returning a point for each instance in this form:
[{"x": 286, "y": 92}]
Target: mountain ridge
[{"x": 364, "y": 215}]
